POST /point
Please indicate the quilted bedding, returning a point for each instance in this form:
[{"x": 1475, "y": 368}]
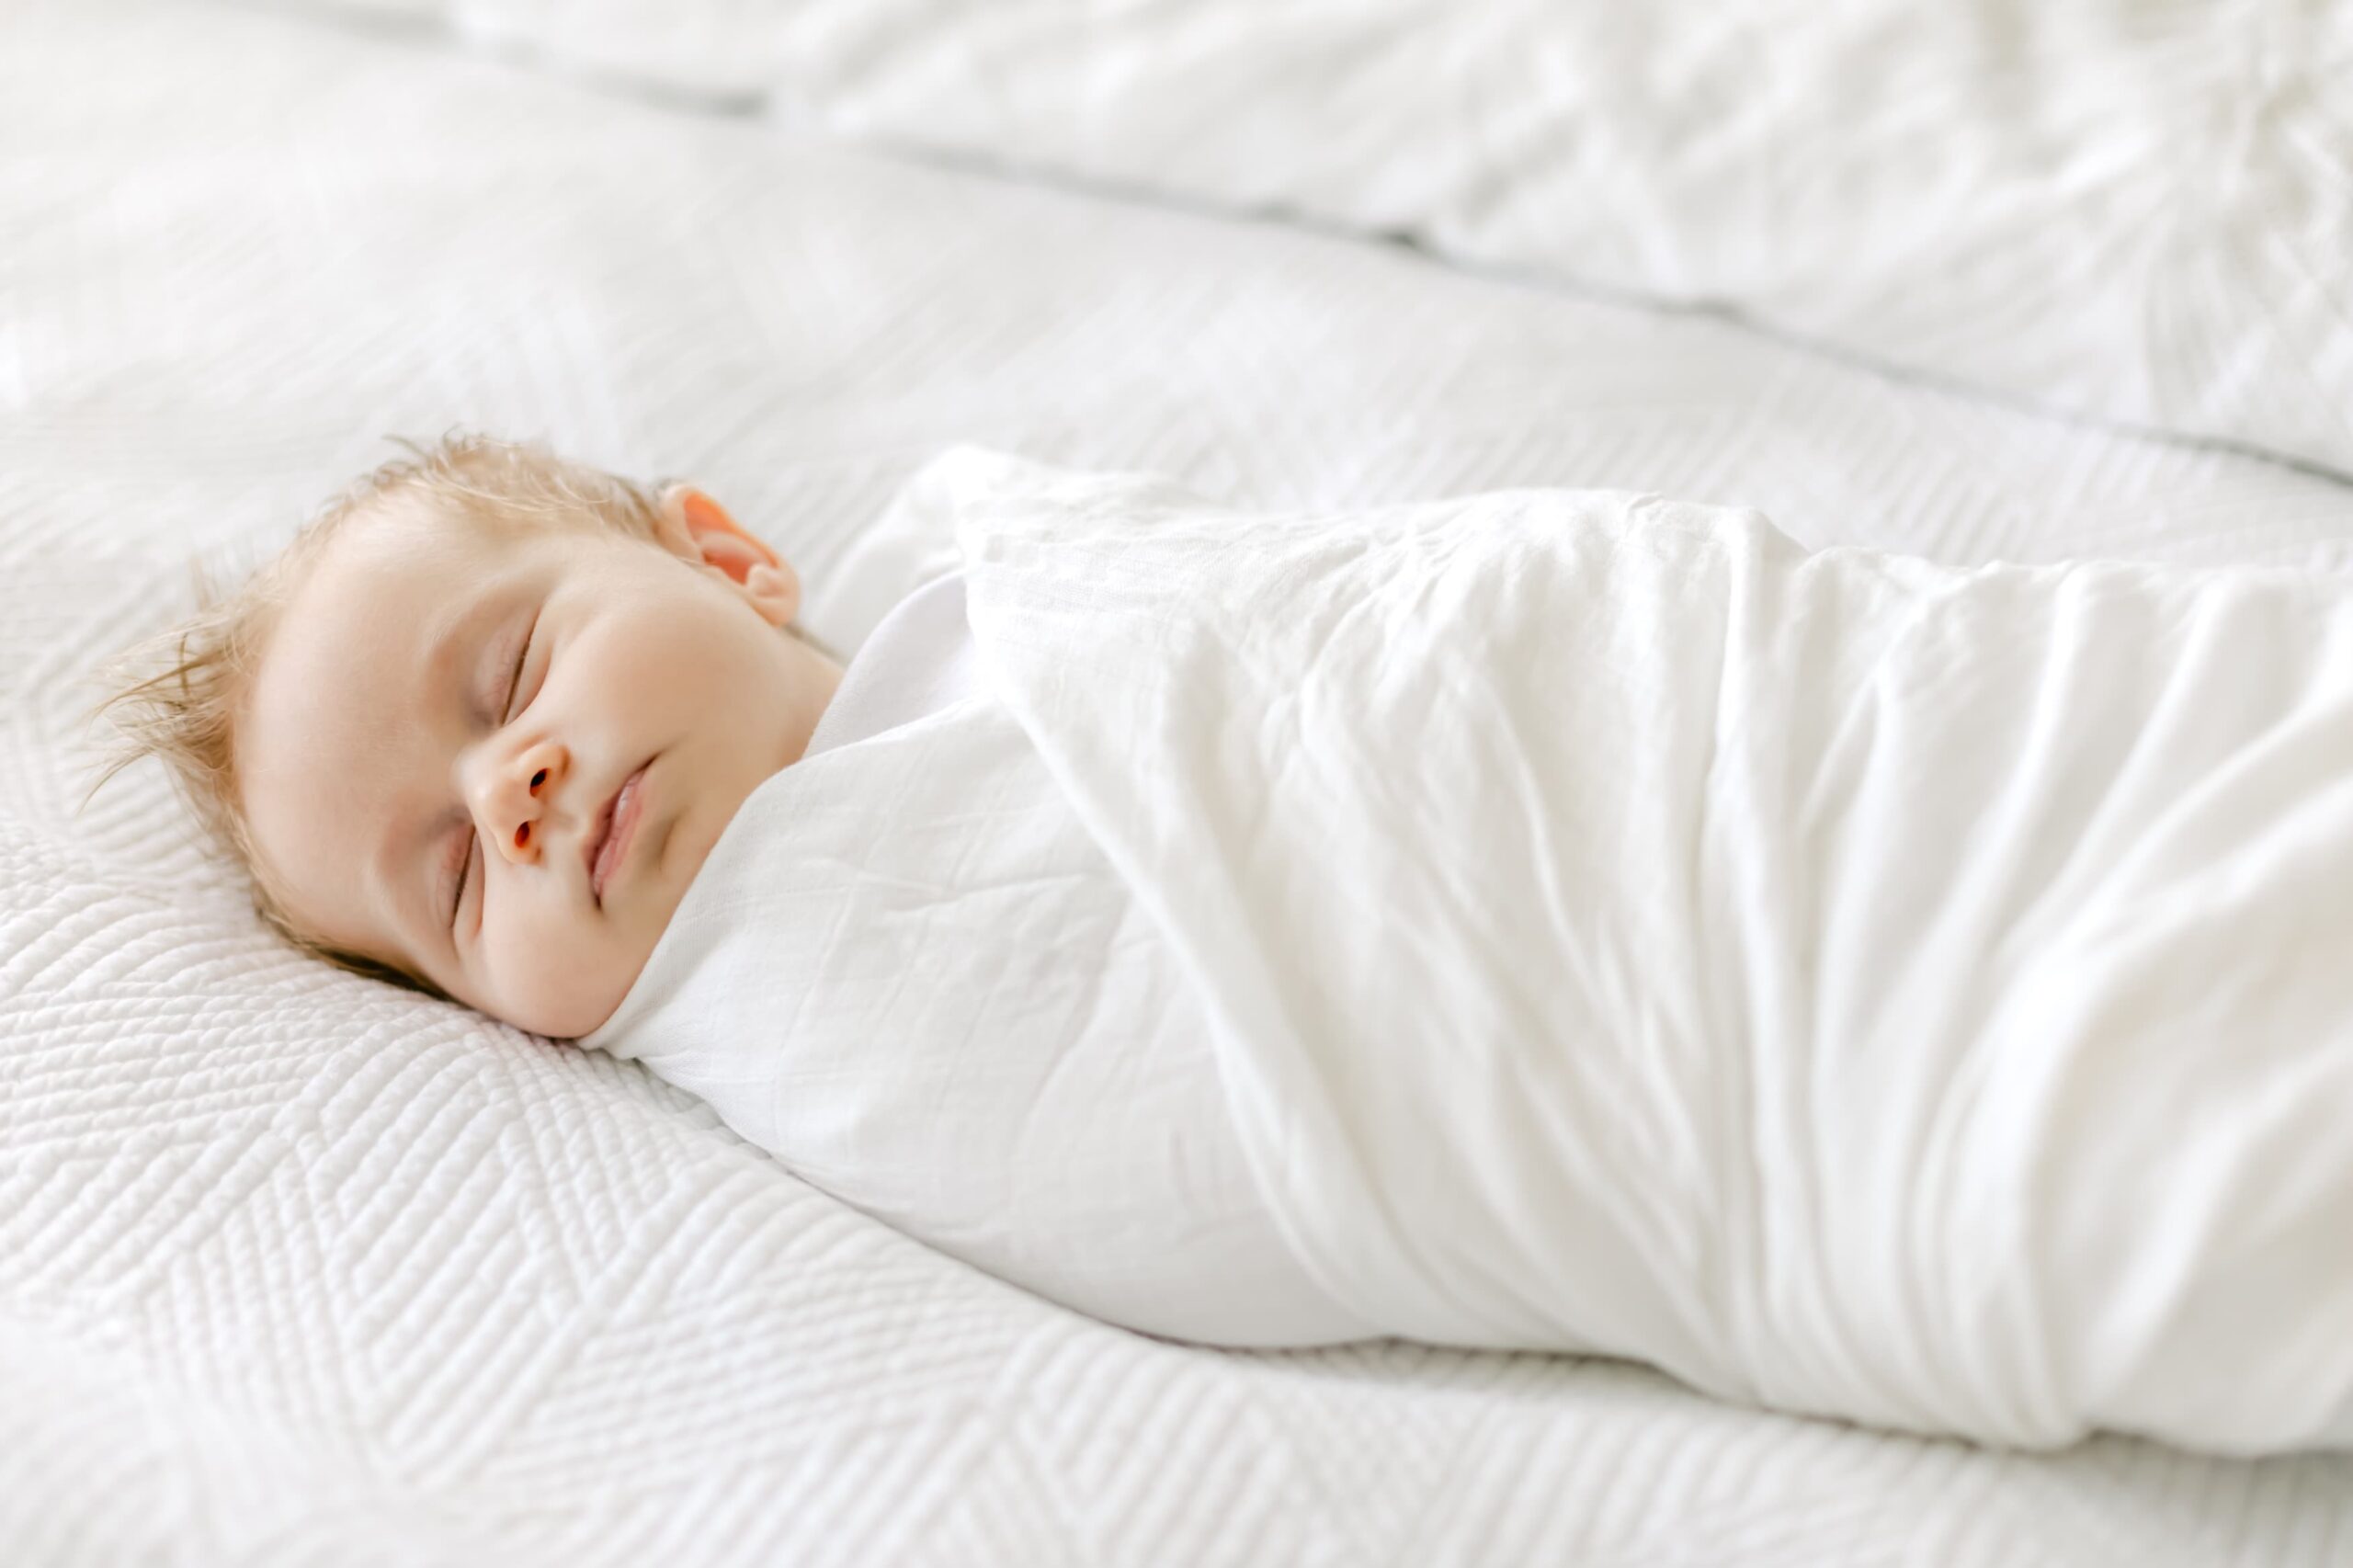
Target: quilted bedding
[
  {"x": 295, "y": 1267},
  {"x": 2135, "y": 211}
]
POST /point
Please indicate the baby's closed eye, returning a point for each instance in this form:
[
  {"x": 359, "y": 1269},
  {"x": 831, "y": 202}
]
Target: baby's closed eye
[
  {"x": 459, "y": 863},
  {"x": 507, "y": 706}
]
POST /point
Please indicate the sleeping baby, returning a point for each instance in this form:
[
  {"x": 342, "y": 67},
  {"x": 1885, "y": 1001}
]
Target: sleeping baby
[{"x": 1549, "y": 920}]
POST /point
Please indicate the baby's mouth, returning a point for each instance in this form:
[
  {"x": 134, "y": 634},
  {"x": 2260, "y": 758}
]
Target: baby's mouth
[{"x": 616, "y": 825}]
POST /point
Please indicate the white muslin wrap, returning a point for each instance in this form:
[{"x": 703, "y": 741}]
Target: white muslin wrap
[{"x": 1856, "y": 986}]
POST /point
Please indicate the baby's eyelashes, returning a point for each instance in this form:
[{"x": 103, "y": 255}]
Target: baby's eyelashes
[
  {"x": 465, "y": 859},
  {"x": 509, "y": 708}
]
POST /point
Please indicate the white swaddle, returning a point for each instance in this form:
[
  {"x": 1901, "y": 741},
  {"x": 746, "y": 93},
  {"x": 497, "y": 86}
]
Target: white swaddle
[
  {"x": 1855, "y": 985},
  {"x": 954, "y": 1064}
]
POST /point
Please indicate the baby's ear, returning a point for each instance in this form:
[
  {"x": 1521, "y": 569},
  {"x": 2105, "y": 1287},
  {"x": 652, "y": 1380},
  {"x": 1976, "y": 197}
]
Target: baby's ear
[{"x": 698, "y": 529}]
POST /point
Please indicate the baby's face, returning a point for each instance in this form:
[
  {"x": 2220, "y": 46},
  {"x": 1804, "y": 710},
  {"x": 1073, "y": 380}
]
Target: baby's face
[{"x": 446, "y": 717}]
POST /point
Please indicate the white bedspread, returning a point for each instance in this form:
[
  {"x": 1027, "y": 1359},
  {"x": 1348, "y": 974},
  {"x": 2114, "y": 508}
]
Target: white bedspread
[
  {"x": 1860, "y": 986},
  {"x": 296, "y": 1267},
  {"x": 2138, "y": 211}
]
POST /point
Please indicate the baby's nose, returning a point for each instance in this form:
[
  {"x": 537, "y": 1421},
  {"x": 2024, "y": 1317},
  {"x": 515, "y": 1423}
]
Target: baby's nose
[{"x": 530, "y": 782}]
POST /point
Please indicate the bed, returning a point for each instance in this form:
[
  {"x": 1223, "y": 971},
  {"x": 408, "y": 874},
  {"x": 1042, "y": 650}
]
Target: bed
[{"x": 297, "y": 1267}]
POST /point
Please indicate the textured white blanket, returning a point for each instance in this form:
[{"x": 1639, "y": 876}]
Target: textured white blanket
[{"x": 1857, "y": 985}]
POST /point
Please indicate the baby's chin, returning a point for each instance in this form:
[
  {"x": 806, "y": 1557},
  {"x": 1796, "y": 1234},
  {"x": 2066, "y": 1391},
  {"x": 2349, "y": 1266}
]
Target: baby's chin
[
  {"x": 577, "y": 995},
  {"x": 566, "y": 1012}
]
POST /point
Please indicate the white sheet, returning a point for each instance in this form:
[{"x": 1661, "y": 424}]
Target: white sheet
[
  {"x": 2138, "y": 213},
  {"x": 290, "y": 1261}
]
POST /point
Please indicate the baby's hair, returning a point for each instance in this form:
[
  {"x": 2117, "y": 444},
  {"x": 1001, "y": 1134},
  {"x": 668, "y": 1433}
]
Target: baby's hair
[{"x": 178, "y": 695}]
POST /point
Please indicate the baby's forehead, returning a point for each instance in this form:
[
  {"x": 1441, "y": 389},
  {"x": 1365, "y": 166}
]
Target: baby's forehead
[
  {"x": 362, "y": 605},
  {"x": 419, "y": 545},
  {"x": 432, "y": 527},
  {"x": 345, "y": 692},
  {"x": 395, "y": 589}
]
